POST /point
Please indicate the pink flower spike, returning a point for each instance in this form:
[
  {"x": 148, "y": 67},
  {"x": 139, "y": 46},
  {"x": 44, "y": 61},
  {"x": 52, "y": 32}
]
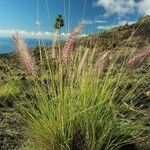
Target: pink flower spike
[
  {"x": 137, "y": 59},
  {"x": 68, "y": 46},
  {"x": 24, "y": 57}
]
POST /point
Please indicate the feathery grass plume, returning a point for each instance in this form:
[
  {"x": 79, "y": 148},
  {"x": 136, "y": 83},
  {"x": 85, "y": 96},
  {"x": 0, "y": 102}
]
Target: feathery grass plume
[
  {"x": 93, "y": 53},
  {"x": 55, "y": 40},
  {"x": 70, "y": 42},
  {"x": 137, "y": 59},
  {"x": 82, "y": 62},
  {"x": 25, "y": 59},
  {"x": 102, "y": 63}
]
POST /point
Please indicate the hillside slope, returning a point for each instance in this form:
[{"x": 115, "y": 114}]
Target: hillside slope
[{"x": 135, "y": 35}]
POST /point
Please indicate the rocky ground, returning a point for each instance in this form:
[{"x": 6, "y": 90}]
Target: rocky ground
[{"x": 11, "y": 131}]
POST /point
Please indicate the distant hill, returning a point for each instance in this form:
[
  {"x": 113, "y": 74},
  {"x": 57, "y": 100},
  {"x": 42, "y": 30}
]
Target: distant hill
[{"x": 135, "y": 35}]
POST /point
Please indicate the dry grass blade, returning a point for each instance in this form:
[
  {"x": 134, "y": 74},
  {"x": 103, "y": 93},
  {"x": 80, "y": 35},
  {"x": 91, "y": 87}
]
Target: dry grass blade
[
  {"x": 102, "y": 63},
  {"x": 82, "y": 62},
  {"x": 93, "y": 53}
]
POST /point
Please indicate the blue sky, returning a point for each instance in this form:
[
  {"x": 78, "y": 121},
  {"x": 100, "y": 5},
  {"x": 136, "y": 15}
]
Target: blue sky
[{"x": 99, "y": 15}]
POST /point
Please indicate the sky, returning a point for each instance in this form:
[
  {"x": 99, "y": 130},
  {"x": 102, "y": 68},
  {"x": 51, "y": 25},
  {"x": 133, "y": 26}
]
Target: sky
[{"x": 36, "y": 18}]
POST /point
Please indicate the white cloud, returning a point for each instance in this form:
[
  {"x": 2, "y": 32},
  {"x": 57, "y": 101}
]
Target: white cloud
[
  {"x": 123, "y": 22},
  {"x": 144, "y": 7},
  {"x": 26, "y": 34},
  {"x": 120, "y": 23},
  {"x": 105, "y": 27},
  {"x": 37, "y": 23},
  {"x": 83, "y": 35},
  {"x": 34, "y": 35},
  {"x": 87, "y": 21},
  {"x": 117, "y": 6},
  {"x": 90, "y": 22},
  {"x": 99, "y": 21},
  {"x": 122, "y": 7}
]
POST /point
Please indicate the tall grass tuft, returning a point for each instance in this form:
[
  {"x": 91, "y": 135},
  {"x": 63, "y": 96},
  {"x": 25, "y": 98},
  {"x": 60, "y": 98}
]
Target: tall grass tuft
[{"x": 81, "y": 111}]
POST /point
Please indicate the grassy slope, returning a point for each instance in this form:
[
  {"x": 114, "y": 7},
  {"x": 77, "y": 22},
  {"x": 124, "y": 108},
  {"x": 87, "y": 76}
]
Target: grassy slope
[
  {"x": 10, "y": 121},
  {"x": 9, "y": 117},
  {"x": 117, "y": 37}
]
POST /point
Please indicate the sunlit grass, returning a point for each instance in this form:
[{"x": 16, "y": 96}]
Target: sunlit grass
[
  {"x": 72, "y": 109},
  {"x": 9, "y": 89}
]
